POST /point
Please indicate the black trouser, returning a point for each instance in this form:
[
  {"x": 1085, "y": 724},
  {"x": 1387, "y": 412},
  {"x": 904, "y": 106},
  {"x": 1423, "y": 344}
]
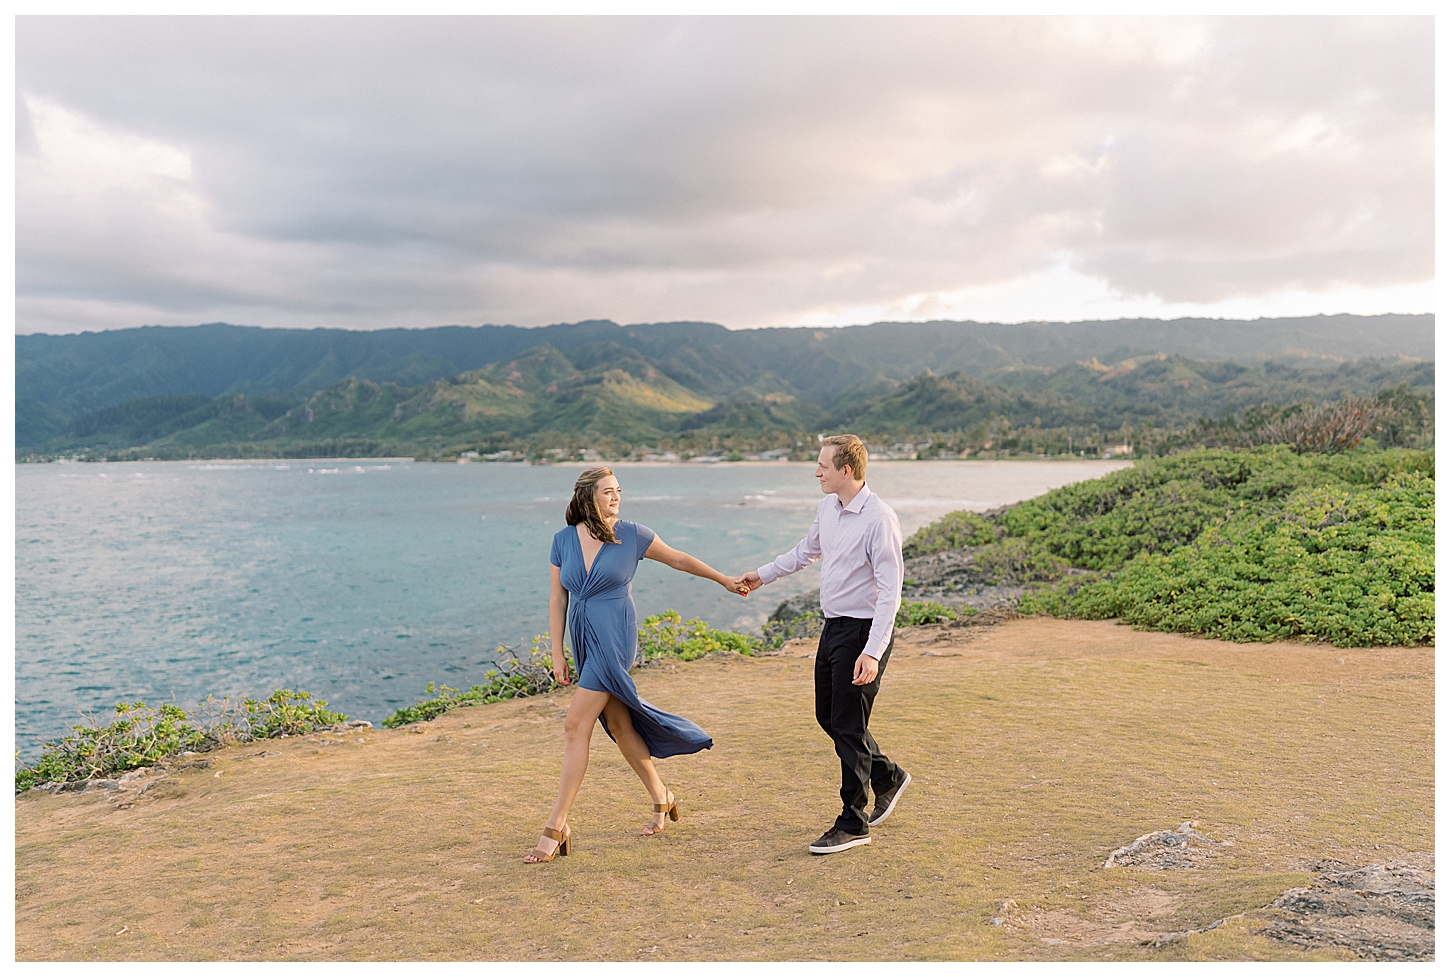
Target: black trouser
[{"x": 843, "y": 710}]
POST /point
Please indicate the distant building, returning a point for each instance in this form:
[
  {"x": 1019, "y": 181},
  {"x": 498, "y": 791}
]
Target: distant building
[{"x": 589, "y": 454}]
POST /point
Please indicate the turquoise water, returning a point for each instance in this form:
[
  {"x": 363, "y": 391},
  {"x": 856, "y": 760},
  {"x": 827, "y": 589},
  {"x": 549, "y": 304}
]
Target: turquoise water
[{"x": 362, "y": 581}]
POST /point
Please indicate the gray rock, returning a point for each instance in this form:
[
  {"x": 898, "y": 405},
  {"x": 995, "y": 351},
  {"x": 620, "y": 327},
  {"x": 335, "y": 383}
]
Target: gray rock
[
  {"x": 1379, "y": 912},
  {"x": 798, "y": 606},
  {"x": 1182, "y": 847},
  {"x": 93, "y": 785}
]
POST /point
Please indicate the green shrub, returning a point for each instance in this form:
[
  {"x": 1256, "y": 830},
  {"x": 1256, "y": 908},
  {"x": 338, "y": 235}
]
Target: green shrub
[
  {"x": 667, "y": 636},
  {"x": 1251, "y": 545},
  {"x": 776, "y": 633},
  {"x": 286, "y": 713},
  {"x": 913, "y": 612},
  {"x": 513, "y": 679},
  {"x": 138, "y": 737},
  {"x": 951, "y": 532},
  {"x": 1028, "y": 561},
  {"x": 1352, "y": 566},
  {"x": 1159, "y": 505},
  {"x": 142, "y": 735}
]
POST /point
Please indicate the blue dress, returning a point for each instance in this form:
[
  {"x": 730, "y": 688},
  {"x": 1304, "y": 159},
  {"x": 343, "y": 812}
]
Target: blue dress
[{"x": 605, "y": 635}]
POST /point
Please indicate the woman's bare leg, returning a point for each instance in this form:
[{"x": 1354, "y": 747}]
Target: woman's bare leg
[
  {"x": 636, "y": 753},
  {"x": 584, "y": 710}
]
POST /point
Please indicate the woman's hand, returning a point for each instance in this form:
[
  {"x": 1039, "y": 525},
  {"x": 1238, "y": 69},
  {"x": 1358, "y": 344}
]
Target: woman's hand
[
  {"x": 736, "y": 585},
  {"x": 561, "y": 671}
]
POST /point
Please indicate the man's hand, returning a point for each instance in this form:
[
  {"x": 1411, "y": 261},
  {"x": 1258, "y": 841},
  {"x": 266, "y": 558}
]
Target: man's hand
[
  {"x": 737, "y": 585},
  {"x": 752, "y": 580},
  {"x": 866, "y": 668}
]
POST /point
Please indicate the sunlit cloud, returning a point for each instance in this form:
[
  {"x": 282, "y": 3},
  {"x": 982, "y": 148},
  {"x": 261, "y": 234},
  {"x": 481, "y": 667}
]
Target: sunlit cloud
[{"x": 363, "y": 172}]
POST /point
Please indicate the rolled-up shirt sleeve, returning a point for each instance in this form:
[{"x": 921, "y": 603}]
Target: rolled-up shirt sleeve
[
  {"x": 802, "y": 555},
  {"x": 884, "y": 552}
]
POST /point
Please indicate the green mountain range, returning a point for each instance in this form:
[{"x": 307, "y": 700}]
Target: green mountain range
[
  {"x": 77, "y": 374},
  {"x": 607, "y": 392}
]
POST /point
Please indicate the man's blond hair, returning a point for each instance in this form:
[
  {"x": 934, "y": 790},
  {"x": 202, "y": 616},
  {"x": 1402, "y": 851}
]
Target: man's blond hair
[{"x": 849, "y": 451}]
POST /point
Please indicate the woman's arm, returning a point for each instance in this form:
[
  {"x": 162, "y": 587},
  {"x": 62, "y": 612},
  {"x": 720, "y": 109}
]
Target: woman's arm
[
  {"x": 558, "y": 618},
  {"x": 662, "y": 552}
]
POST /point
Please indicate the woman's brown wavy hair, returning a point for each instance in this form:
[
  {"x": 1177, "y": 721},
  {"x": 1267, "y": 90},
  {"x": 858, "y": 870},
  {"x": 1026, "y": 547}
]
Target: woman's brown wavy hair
[{"x": 583, "y": 509}]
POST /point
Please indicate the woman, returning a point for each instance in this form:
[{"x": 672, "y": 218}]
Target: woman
[{"x": 592, "y": 563}]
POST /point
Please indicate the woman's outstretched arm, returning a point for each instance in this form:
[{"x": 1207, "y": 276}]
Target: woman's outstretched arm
[
  {"x": 558, "y": 618},
  {"x": 662, "y": 552}
]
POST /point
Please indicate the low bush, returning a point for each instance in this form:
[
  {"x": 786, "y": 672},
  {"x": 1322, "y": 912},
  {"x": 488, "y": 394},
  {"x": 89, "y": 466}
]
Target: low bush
[
  {"x": 1251, "y": 545},
  {"x": 1351, "y": 567},
  {"x": 142, "y": 735},
  {"x": 776, "y": 633},
  {"x": 1021, "y": 560},
  {"x": 512, "y": 679},
  {"x": 284, "y": 713},
  {"x": 914, "y": 612},
  {"x": 951, "y": 532},
  {"x": 667, "y": 636}
]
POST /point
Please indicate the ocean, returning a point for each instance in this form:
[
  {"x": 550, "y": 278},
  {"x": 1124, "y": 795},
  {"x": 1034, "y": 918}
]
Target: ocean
[{"x": 363, "y": 581}]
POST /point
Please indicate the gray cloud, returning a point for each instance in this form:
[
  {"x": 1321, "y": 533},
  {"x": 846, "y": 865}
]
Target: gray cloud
[{"x": 412, "y": 171}]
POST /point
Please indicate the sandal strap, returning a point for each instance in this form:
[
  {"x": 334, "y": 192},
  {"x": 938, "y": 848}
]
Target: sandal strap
[
  {"x": 663, "y": 808},
  {"x": 555, "y": 833}
]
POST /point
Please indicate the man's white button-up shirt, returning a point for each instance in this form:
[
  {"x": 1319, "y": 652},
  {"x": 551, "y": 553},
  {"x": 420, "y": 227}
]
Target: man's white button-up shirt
[{"x": 862, "y": 567}]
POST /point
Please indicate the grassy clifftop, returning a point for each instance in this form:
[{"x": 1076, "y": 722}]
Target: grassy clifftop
[{"x": 1038, "y": 748}]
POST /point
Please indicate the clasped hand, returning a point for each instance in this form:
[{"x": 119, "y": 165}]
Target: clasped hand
[{"x": 744, "y": 583}]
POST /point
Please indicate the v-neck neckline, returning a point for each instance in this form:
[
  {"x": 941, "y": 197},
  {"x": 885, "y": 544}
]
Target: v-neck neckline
[{"x": 588, "y": 564}]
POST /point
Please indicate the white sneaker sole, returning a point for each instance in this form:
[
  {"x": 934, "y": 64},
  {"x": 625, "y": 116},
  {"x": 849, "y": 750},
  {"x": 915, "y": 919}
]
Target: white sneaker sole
[
  {"x": 826, "y": 850},
  {"x": 892, "y": 806}
]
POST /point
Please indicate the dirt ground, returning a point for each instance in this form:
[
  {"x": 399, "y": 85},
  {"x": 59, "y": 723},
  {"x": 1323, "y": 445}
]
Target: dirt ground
[{"x": 1039, "y": 748}]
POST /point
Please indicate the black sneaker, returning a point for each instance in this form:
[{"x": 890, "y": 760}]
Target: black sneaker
[
  {"x": 837, "y": 840},
  {"x": 886, "y": 803}
]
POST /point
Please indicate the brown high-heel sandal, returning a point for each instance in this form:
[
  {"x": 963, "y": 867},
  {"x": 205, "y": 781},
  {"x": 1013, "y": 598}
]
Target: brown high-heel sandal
[
  {"x": 670, "y": 807},
  {"x": 562, "y": 848}
]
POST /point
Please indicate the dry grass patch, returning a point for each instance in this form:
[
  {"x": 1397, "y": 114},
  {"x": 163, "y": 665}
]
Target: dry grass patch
[{"x": 1038, "y": 748}]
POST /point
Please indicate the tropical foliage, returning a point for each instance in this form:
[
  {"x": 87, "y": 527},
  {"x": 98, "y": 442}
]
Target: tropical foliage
[
  {"x": 1248, "y": 545},
  {"x": 511, "y": 679},
  {"x": 142, "y": 735}
]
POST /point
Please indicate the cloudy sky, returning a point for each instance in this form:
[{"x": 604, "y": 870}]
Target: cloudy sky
[{"x": 372, "y": 172}]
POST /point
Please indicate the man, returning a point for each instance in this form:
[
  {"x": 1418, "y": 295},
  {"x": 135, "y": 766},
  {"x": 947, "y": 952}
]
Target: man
[{"x": 859, "y": 539}]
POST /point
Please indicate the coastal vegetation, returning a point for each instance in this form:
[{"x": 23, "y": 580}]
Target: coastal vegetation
[
  {"x": 142, "y": 735},
  {"x": 1257, "y": 544},
  {"x": 914, "y": 612}
]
